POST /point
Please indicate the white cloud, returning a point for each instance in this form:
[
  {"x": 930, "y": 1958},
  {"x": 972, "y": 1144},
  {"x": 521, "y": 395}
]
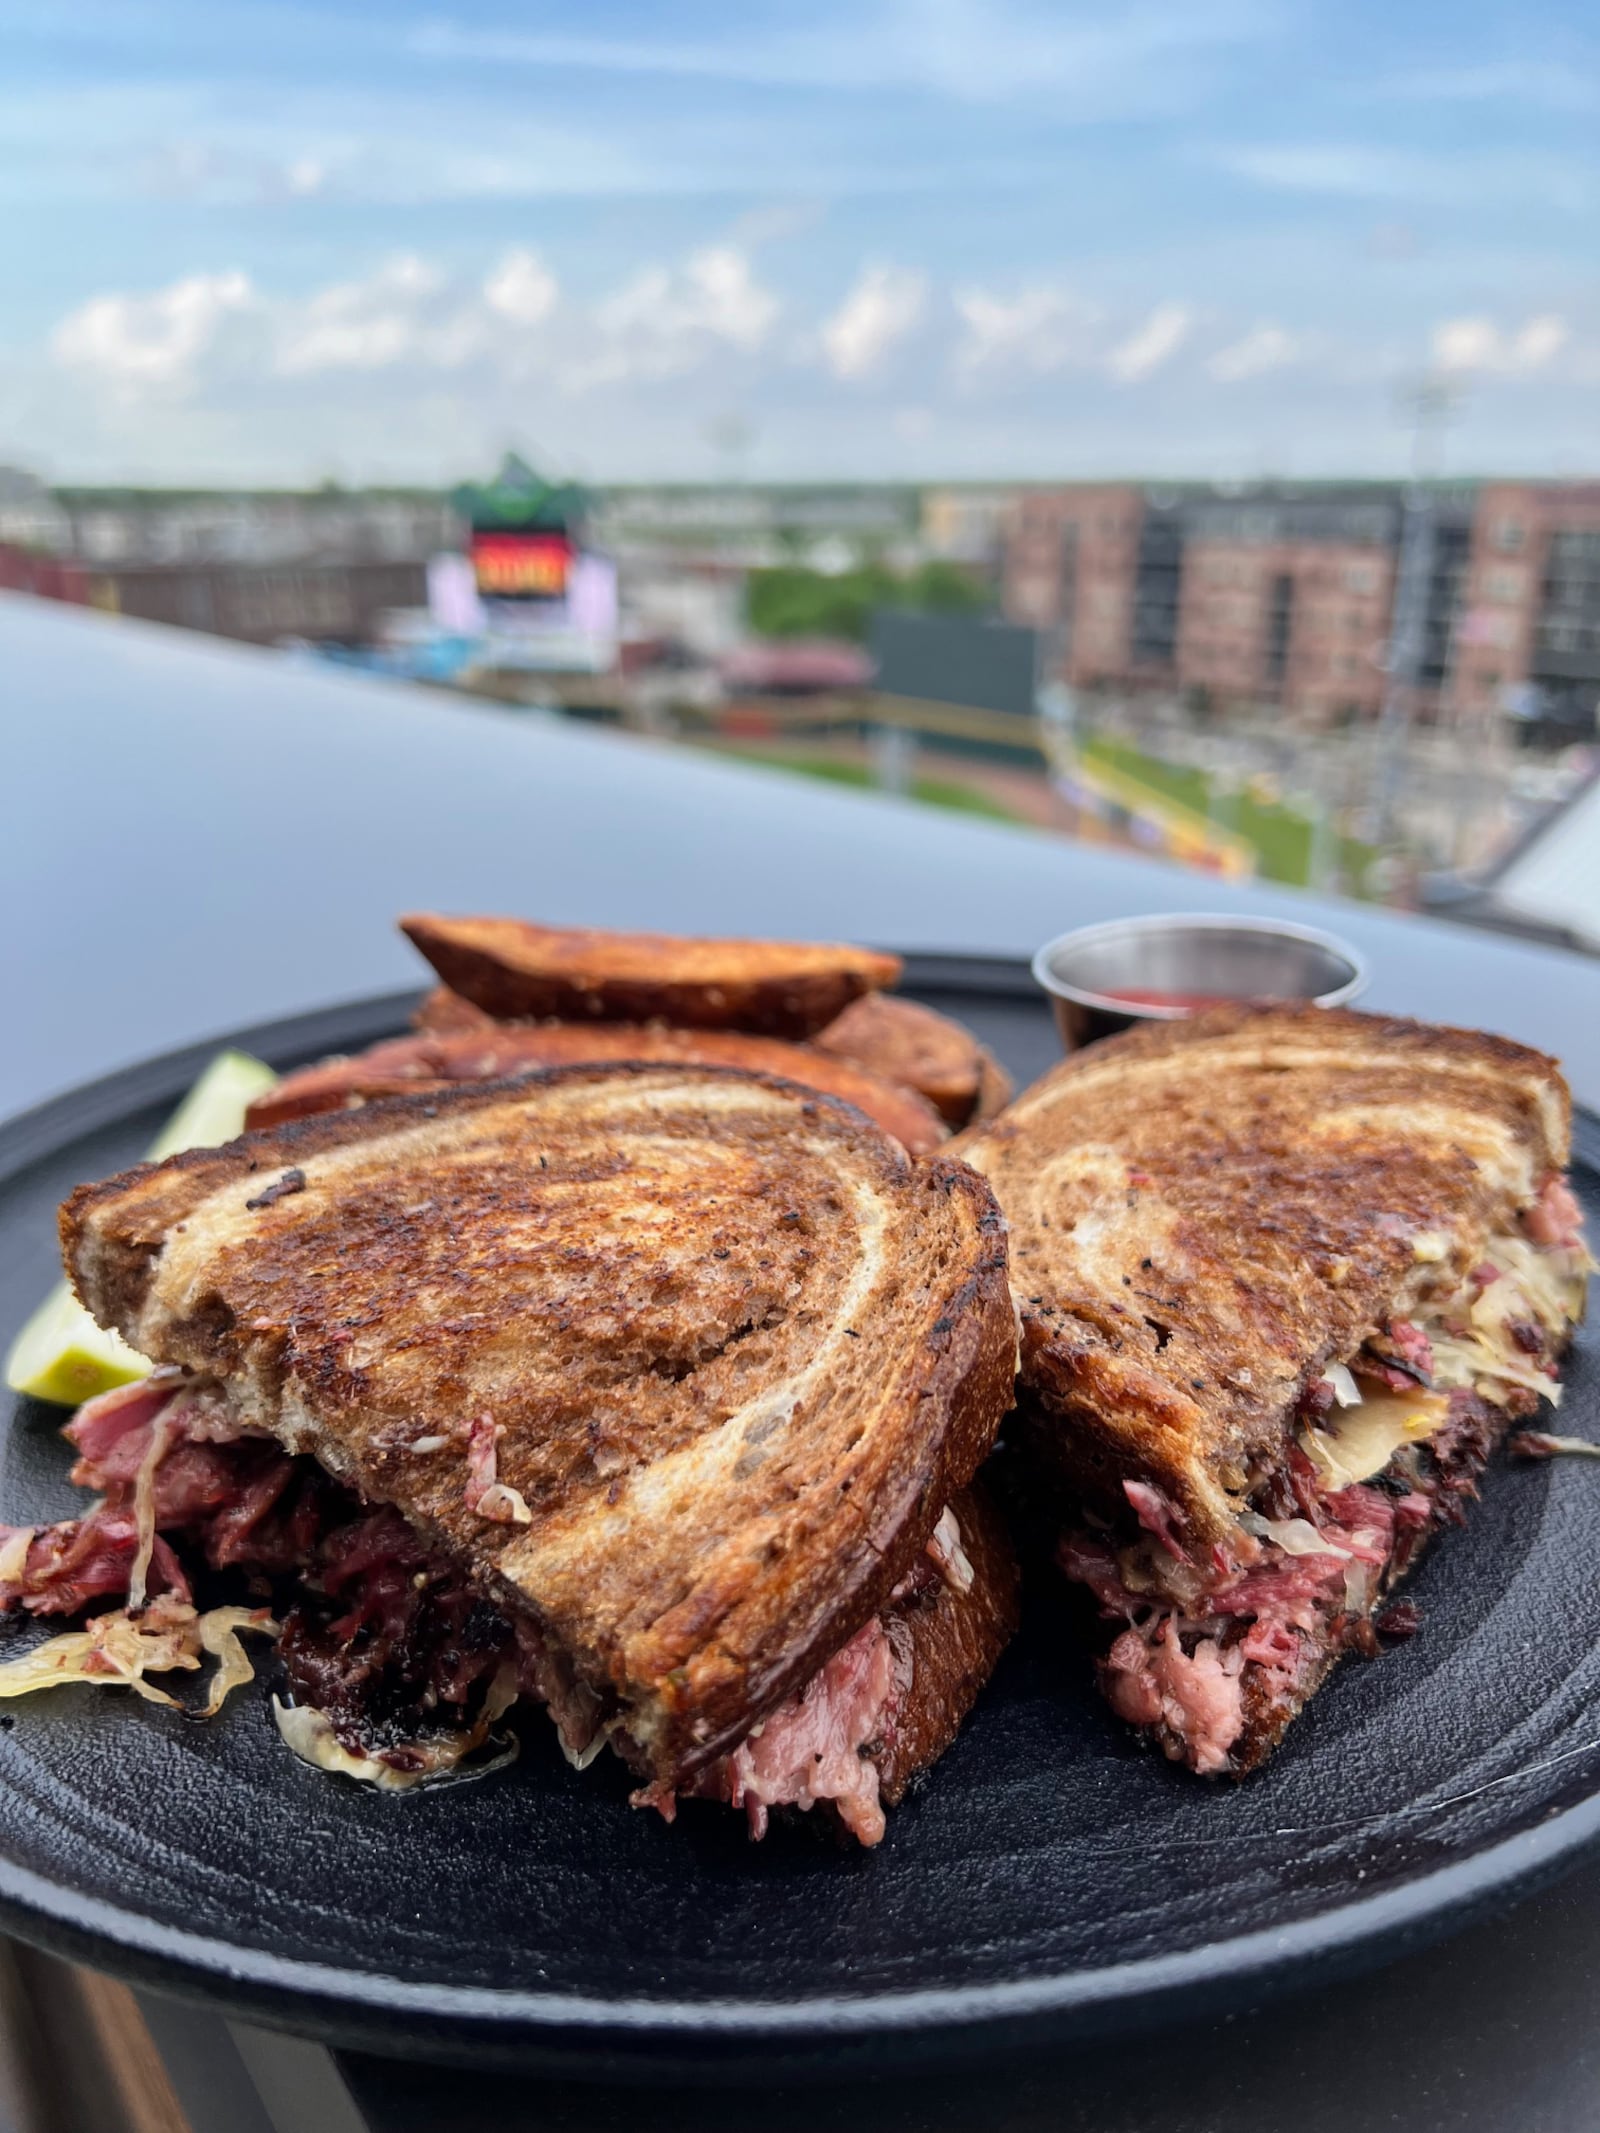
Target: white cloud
[
  {"x": 215, "y": 334},
  {"x": 522, "y": 289},
  {"x": 305, "y": 176},
  {"x": 1466, "y": 344},
  {"x": 1262, "y": 349},
  {"x": 362, "y": 325},
  {"x": 191, "y": 167},
  {"x": 151, "y": 343},
  {"x": 1046, "y": 328},
  {"x": 882, "y": 308},
  {"x": 667, "y": 320},
  {"x": 411, "y": 366},
  {"x": 1539, "y": 342},
  {"x": 1152, "y": 344},
  {"x": 166, "y": 344},
  {"x": 1040, "y": 329},
  {"x": 723, "y": 297},
  {"x": 1463, "y": 345}
]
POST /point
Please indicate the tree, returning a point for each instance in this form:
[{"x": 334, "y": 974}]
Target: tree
[{"x": 791, "y": 601}]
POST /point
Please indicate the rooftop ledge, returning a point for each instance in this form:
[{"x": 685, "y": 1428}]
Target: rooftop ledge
[{"x": 202, "y": 835}]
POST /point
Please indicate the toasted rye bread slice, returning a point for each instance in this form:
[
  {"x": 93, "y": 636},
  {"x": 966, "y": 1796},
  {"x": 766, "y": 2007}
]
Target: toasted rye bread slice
[
  {"x": 1204, "y": 1215},
  {"x": 493, "y": 1050},
  {"x": 903, "y": 1041},
  {"x": 775, "y": 988},
  {"x": 739, "y": 1348}
]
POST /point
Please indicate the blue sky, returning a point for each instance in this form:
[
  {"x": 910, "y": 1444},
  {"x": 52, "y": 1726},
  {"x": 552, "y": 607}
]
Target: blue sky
[{"x": 864, "y": 238}]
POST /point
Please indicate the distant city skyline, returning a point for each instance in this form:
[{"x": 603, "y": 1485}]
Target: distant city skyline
[{"x": 275, "y": 244}]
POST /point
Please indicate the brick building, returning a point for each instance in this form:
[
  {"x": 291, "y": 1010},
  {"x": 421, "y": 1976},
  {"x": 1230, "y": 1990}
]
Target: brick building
[
  {"x": 1070, "y": 568},
  {"x": 1293, "y": 622},
  {"x": 1286, "y": 595},
  {"x": 1530, "y": 630}
]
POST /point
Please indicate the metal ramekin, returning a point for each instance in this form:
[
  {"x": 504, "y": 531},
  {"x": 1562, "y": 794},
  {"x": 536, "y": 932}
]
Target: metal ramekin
[{"x": 1231, "y": 958}]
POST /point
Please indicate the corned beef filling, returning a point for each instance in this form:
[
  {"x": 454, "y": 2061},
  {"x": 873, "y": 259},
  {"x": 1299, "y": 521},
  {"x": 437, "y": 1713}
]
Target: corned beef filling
[
  {"x": 390, "y": 1644},
  {"x": 823, "y": 1744},
  {"x": 1251, "y": 1625},
  {"x": 817, "y": 1746}
]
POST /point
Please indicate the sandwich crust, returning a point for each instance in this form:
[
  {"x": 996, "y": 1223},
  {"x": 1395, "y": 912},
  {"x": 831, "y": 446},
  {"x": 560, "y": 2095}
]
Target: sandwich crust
[
  {"x": 514, "y": 969},
  {"x": 733, "y": 1349},
  {"x": 953, "y": 1640},
  {"x": 1205, "y": 1215}
]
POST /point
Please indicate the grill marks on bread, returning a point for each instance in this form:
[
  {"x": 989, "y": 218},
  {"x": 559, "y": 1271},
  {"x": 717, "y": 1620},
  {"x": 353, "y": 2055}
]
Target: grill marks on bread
[
  {"x": 740, "y": 1351},
  {"x": 1204, "y": 1215},
  {"x": 586, "y": 1263}
]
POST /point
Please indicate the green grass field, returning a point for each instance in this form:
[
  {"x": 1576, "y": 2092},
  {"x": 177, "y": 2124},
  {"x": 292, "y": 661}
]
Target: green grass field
[
  {"x": 1281, "y": 836},
  {"x": 932, "y": 792}
]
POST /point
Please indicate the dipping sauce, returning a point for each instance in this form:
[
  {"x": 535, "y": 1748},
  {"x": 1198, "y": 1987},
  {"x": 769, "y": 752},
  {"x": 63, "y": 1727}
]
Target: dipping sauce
[
  {"x": 1177, "y": 1003},
  {"x": 1169, "y": 967}
]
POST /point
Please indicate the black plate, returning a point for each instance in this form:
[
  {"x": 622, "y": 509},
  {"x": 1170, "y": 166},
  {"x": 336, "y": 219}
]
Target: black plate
[{"x": 1049, "y": 1879}]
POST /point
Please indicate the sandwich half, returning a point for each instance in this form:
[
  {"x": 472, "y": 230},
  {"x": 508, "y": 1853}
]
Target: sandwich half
[
  {"x": 1285, "y": 1277},
  {"x": 651, "y": 1393}
]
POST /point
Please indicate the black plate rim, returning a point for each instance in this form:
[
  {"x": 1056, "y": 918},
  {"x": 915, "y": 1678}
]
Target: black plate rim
[{"x": 640, "y": 2033}]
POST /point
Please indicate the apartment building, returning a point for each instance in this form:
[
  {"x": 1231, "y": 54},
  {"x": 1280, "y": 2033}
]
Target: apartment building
[
  {"x": 1268, "y": 595},
  {"x": 1288, "y": 600},
  {"x": 1529, "y": 637},
  {"x": 1071, "y": 569}
]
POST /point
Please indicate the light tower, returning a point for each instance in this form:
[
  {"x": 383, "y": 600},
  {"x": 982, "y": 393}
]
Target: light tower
[{"x": 1429, "y": 401}]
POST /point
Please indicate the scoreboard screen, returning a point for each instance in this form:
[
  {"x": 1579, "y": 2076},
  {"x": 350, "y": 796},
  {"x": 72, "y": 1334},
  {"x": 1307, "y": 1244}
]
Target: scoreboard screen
[{"x": 521, "y": 566}]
